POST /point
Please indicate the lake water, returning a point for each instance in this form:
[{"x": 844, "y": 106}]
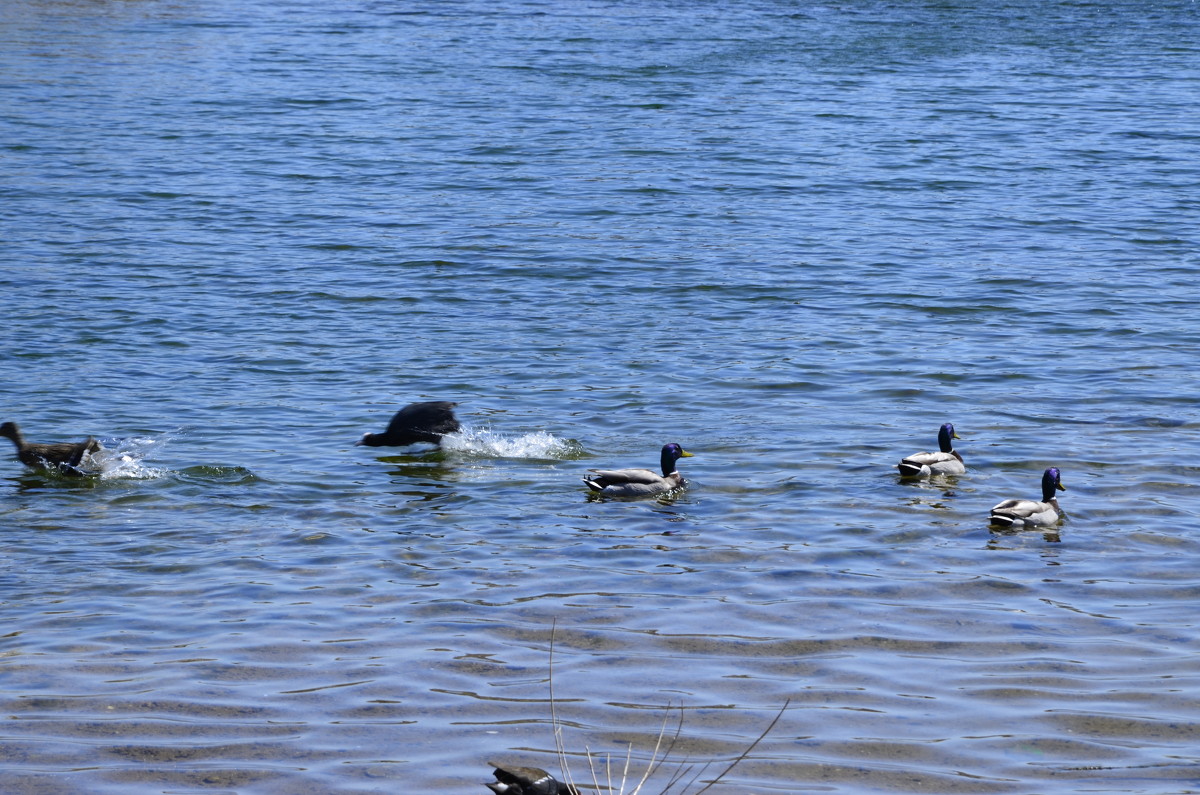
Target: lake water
[{"x": 793, "y": 237}]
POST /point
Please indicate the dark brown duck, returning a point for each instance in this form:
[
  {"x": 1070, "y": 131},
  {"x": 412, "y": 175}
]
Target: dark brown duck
[
  {"x": 417, "y": 422},
  {"x": 61, "y": 456}
]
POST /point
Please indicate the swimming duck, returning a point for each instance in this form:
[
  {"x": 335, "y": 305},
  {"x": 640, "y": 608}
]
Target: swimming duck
[
  {"x": 639, "y": 482},
  {"x": 945, "y": 462},
  {"x": 417, "y": 422},
  {"x": 62, "y": 457},
  {"x": 1031, "y": 513},
  {"x": 512, "y": 780}
]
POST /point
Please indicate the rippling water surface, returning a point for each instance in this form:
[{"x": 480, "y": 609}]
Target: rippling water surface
[{"x": 793, "y": 237}]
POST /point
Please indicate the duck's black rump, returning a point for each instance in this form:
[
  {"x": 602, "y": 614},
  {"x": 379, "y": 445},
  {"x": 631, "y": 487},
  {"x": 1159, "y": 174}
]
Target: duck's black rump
[{"x": 515, "y": 780}]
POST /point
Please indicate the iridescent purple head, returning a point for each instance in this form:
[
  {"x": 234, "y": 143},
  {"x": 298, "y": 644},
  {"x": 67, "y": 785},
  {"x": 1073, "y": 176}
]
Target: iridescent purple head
[
  {"x": 1051, "y": 480},
  {"x": 945, "y": 434},
  {"x": 670, "y": 454}
]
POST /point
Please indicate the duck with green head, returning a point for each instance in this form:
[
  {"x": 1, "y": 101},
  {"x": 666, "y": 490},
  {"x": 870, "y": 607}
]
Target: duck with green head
[
  {"x": 946, "y": 461},
  {"x": 1032, "y": 513},
  {"x": 639, "y": 482}
]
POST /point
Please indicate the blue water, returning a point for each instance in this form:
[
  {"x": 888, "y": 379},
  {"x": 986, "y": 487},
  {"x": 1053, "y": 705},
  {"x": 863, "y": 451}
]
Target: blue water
[{"x": 793, "y": 237}]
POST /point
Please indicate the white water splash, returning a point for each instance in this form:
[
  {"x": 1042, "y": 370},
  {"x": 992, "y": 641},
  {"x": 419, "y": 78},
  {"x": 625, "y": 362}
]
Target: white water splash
[
  {"x": 122, "y": 458},
  {"x": 485, "y": 442}
]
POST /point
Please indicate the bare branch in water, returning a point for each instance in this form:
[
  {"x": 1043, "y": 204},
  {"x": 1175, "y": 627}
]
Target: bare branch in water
[
  {"x": 749, "y": 748},
  {"x": 658, "y": 756}
]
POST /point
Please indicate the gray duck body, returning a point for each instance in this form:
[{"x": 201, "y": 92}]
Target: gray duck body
[
  {"x": 639, "y": 482},
  {"x": 946, "y": 461},
  {"x": 1032, "y": 513}
]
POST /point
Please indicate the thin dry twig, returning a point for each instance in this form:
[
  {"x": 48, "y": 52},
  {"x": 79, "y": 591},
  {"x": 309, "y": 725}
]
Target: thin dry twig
[
  {"x": 678, "y": 774},
  {"x": 749, "y": 748},
  {"x": 559, "y": 747}
]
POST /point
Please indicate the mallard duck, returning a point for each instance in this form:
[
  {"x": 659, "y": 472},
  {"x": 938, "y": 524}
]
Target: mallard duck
[
  {"x": 62, "y": 457},
  {"x": 1031, "y": 513},
  {"x": 416, "y": 422},
  {"x": 945, "y": 462},
  {"x": 639, "y": 482},
  {"x": 512, "y": 780}
]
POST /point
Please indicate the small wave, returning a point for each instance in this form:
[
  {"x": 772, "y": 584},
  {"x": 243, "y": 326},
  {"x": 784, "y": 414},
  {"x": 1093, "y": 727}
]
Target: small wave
[
  {"x": 485, "y": 442},
  {"x": 122, "y": 458},
  {"x": 212, "y": 474}
]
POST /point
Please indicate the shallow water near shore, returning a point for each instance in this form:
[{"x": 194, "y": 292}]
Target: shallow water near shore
[{"x": 794, "y": 238}]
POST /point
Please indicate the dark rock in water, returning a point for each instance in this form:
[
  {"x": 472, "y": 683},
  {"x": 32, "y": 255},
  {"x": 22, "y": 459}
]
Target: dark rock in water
[
  {"x": 513, "y": 780},
  {"x": 417, "y": 422},
  {"x": 61, "y": 457}
]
